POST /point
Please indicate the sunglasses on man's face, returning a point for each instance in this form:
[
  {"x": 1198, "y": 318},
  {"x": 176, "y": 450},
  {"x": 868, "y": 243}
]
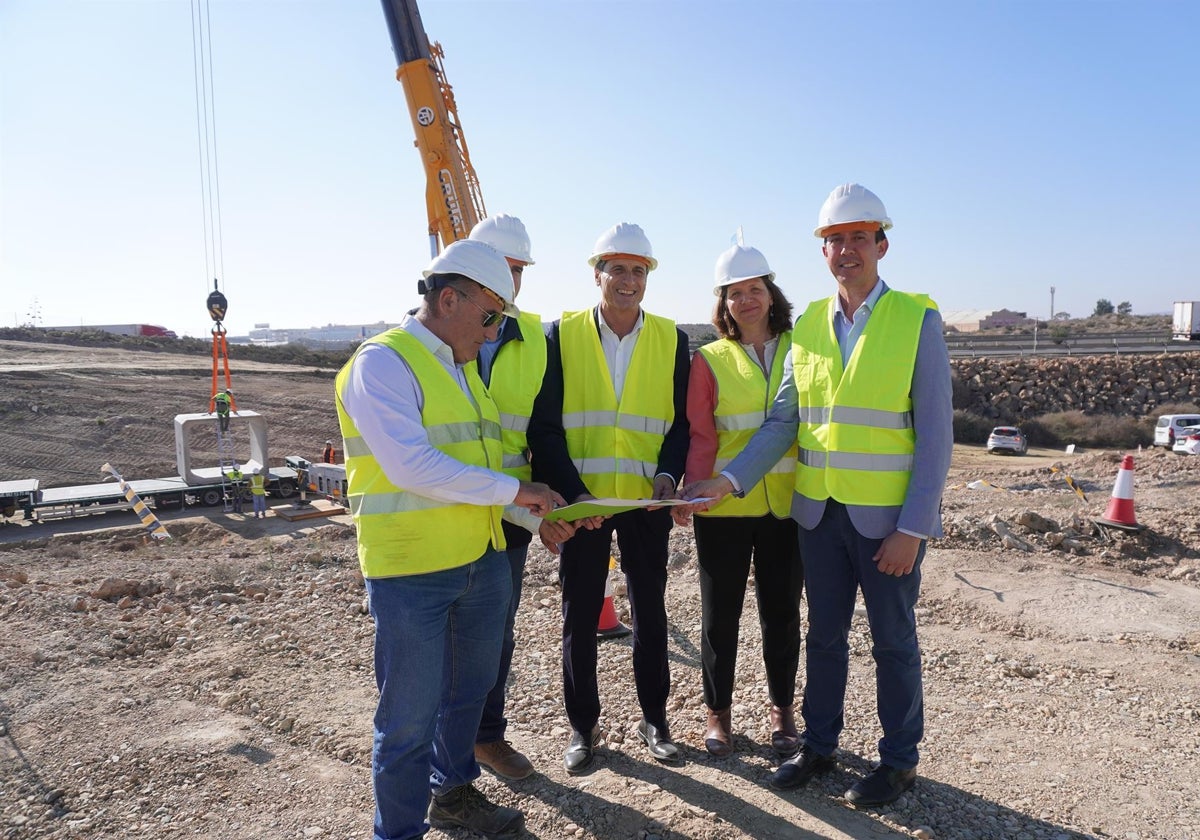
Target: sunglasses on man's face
[{"x": 490, "y": 319}]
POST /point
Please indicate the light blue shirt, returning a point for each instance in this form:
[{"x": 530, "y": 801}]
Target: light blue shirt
[
  {"x": 848, "y": 331},
  {"x": 920, "y": 515}
]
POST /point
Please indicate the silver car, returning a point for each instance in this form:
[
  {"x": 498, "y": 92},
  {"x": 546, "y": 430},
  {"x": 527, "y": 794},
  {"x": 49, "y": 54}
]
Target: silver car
[{"x": 1007, "y": 439}]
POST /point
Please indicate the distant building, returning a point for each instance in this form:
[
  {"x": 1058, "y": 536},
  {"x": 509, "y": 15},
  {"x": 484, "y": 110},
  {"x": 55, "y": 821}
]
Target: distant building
[
  {"x": 1005, "y": 318},
  {"x": 964, "y": 320},
  {"x": 330, "y": 335}
]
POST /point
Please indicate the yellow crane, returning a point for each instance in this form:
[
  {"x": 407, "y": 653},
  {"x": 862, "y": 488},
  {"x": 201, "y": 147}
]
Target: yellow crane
[{"x": 452, "y": 195}]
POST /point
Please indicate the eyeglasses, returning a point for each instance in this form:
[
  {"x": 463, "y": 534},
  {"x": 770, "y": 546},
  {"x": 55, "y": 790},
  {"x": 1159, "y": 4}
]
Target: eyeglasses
[{"x": 490, "y": 319}]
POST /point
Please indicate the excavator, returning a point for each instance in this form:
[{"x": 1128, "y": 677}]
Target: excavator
[{"x": 452, "y": 195}]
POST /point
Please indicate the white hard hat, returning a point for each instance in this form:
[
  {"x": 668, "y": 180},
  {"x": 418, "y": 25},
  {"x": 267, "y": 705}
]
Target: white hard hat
[
  {"x": 506, "y": 234},
  {"x": 482, "y": 263},
  {"x": 740, "y": 262},
  {"x": 851, "y": 203},
  {"x": 625, "y": 238}
]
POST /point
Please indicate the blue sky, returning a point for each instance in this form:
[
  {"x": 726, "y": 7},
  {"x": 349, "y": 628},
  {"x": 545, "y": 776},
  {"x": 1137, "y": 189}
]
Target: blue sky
[{"x": 1017, "y": 146}]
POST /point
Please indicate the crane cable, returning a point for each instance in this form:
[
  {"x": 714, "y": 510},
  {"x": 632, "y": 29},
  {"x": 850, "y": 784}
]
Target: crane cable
[
  {"x": 210, "y": 189},
  {"x": 206, "y": 140}
]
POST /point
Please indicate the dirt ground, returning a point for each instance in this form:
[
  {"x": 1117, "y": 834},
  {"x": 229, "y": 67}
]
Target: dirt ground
[{"x": 219, "y": 685}]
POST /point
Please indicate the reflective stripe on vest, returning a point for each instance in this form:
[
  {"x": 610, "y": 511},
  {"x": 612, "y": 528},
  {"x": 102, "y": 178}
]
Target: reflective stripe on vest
[
  {"x": 854, "y": 454},
  {"x": 517, "y": 373},
  {"x": 744, "y": 397},
  {"x": 403, "y": 533},
  {"x": 616, "y": 447}
]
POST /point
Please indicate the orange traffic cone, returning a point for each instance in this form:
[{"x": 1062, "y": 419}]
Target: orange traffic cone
[
  {"x": 1120, "y": 507},
  {"x": 609, "y": 626}
]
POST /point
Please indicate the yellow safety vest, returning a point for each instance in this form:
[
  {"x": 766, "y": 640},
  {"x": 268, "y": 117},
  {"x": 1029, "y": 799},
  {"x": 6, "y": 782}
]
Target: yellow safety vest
[
  {"x": 615, "y": 447},
  {"x": 744, "y": 397},
  {"x": 517, "y": 373},
  {"x": 856, "y": 434},
  {"x": 257, "y": 485},
  {"x": 403, "y": 533}
]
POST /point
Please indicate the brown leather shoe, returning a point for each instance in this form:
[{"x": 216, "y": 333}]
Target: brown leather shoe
[
  {"x": 785, "y": 740},
  {"x": 503, "y": 760},
  {"x": 718, "y": 740}
]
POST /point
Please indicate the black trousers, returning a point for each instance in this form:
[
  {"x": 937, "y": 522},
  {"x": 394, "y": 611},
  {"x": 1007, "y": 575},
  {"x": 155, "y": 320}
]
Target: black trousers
[
  {"x": 582, "y": 569},
  {"x": 724, "y": 548}
]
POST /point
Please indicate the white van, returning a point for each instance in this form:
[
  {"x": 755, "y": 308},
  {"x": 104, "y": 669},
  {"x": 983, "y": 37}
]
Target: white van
[{"x": 1171, "y": 426}]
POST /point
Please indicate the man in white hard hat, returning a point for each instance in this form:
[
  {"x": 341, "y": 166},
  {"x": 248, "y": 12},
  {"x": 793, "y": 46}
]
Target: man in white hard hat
[
  {"x": 422, "y": 440},
  {"x": 512, "y": 367},
  {"x": 611, "y": 422},
  {"x": 866, "y": 394}
]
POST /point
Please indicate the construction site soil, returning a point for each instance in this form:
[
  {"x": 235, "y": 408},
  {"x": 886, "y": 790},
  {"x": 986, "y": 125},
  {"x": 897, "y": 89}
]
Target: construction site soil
[{"x": 219, "y": 684}]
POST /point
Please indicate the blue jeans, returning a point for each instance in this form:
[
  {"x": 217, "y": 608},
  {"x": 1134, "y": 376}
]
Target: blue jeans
[
  {"x": 493, "y": 725},
  {"x": 837, "y": 561},
  {"x": 437, "y": 647},
  {"x": 260, "y": 505}
]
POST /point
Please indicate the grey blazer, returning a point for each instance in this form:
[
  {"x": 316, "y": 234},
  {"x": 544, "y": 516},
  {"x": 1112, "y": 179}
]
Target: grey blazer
[{"x": 933, "y": 424}]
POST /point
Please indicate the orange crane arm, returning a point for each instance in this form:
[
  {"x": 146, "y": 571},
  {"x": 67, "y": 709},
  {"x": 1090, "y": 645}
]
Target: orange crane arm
[{"x": 452, "y": 194}]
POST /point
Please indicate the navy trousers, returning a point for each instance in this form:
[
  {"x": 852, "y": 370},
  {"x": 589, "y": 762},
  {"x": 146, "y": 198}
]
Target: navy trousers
[
  {"x": 494, "y": 724},
  {"x": 582, "y": 569},
  {"x": 837, "y": 562}
]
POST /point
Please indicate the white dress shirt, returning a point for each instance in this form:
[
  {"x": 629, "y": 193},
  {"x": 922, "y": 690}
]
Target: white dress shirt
[{"x": 384, "y": 399}]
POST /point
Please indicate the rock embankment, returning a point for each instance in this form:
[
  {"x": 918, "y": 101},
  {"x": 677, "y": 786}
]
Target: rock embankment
[{"x": 1011, "y": 390}]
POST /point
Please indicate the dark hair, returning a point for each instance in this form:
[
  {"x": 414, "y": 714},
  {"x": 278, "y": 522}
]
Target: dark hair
[
  {"x": 880, "y": 235},
  {"x": 779, "y": 316}
]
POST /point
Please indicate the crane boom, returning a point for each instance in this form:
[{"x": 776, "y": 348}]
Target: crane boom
[{"x": 452, "y": 194}]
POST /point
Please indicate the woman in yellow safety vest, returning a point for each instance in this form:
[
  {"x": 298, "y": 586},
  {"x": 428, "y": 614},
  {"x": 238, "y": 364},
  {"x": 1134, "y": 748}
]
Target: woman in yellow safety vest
[{"x": 733, "y": 383}]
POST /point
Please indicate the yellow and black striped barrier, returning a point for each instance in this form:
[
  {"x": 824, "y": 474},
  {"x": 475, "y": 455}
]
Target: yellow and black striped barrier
[
  {"x": 1070, "y": 482},
  {"x": 153, "y": 526}
]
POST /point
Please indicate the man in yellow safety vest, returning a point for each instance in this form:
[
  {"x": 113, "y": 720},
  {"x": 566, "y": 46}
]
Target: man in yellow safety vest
[
  {"x": 611, "y": 422},
  {"x": 866, "y": 395},
  {"x": 422, "y": 444},
  {"x": 512, "y": 367}
]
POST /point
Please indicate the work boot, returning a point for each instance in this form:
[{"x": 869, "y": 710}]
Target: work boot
[
  {"x": 465, "y": 807},
  {"x": 718, "y": 740},
  {"x": 503, "y": 760},
  {"x": 785, "y": 740}
]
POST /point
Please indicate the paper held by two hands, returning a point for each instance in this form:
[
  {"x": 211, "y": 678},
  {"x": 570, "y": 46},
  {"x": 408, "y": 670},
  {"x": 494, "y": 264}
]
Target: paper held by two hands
[{"x": 608, "y": 507}]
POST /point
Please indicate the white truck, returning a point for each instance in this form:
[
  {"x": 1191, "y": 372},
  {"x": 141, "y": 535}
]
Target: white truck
[{"x": 1185, "y": 326}]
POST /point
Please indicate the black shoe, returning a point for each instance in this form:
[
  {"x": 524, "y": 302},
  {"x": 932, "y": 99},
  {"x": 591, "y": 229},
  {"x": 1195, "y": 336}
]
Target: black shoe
[
  {"x": 658, "y": 740},
  {"x": 798, "y": 770},
  {"x": 465, "y": 807},
  {"x": 581, "y": 750},
  {"x": 882, "y": 785}
]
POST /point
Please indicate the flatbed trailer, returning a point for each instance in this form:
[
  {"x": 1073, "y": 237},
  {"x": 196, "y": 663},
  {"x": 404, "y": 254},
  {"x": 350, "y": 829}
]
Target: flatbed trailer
[{"x": 159, "y": 493}]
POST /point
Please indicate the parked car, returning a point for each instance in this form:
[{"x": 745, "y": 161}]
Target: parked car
[
  {"x": 1171, "y": 426},
  {"x": 1007, "y": 439},
  {"x": 1188, "y": 443}
]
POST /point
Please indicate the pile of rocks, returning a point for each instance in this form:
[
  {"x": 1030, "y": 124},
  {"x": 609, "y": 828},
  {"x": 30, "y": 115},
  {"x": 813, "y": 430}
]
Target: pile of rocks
[{"x": 1130, "y": 385}]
